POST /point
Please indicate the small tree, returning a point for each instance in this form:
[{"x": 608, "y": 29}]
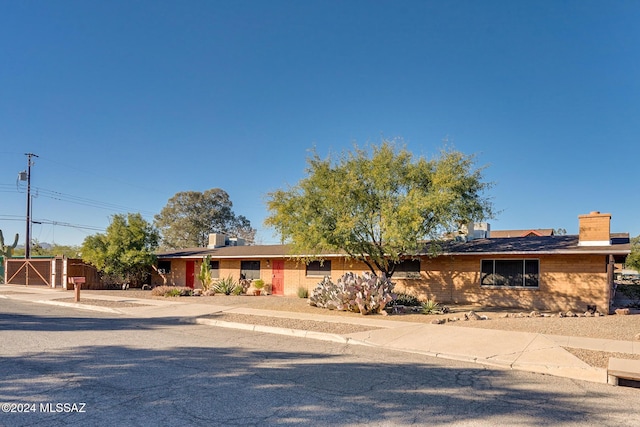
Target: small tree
[
  {"x": 126, "y": 252},
  {"x": 378, "y": 207}
]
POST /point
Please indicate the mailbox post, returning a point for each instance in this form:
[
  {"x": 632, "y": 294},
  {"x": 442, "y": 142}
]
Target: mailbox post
[{"x": 77, "y": 284}]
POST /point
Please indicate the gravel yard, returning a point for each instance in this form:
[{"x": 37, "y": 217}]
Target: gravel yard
[
  {"x": 614, "y": 327},
  {"x": 610, "y": 327}
]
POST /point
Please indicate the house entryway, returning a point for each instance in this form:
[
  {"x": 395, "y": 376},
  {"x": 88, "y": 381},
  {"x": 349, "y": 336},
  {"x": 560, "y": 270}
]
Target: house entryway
[
  {"x": 190, "y": 274},
  {"x": 277, "y": 274}
]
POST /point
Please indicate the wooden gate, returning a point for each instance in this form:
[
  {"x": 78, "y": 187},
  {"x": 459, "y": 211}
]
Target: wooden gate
[
  {"x": 32, "y": 272},
  {"x": 50, "y": 272}
]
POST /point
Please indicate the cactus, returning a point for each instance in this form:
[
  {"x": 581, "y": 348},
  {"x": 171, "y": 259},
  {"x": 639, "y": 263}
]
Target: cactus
[
  {"x": 5, "y": 250},
  {"x": 360, "y": 294}
]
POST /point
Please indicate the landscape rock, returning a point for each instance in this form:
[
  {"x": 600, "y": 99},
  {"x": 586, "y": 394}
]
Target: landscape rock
[
  {"x": 472, "y": 315},
  {"x": 637, "y": 337},
  {"x": 438, "y": 321},
  {"x": 622, "y": 311}
]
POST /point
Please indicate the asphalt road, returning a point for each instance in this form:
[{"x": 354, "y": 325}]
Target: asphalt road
[{"x": 63, "y": 367}]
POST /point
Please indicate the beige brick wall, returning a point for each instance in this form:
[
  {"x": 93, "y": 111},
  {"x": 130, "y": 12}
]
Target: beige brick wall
[
  {"x": 567, "y": 282},
  {"x": 295, "y": 274},
  {"x": 570, "y": 282}
]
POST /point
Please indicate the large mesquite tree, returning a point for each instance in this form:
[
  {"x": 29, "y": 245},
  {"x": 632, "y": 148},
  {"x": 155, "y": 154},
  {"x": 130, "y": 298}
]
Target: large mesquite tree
[
  {"x": 378, "y": 206},
  {"x": 190, "y": 216}
]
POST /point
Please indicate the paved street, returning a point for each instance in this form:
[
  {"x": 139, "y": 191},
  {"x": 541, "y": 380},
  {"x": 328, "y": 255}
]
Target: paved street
[{"x": 71, "y": 367}]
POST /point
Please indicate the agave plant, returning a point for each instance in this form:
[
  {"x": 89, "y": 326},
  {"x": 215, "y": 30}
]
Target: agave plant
[
  {"x": 430, "y": 307},
  {"x": 227, "y": 286}
]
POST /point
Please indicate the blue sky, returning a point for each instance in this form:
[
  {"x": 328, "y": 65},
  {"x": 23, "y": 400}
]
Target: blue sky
[{"x": 128, "y": 102}]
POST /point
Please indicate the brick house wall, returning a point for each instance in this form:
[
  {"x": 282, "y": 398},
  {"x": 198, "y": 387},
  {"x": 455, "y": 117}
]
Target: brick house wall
[{"x": 570, "y": 282}]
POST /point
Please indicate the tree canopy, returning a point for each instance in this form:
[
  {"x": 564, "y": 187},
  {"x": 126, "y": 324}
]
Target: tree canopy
[
  {"x": 125, "y": 252},
  {"x": 378, "y": 205},
  {"x": 633, "y": 259},
  {"x": 190, "y": 216}
]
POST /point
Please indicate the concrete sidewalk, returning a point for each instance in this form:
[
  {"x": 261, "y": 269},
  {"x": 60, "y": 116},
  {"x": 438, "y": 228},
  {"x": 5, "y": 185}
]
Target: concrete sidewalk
[{"x": 531, "y": 352}]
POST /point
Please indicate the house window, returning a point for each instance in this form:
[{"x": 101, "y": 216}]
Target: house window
[
  {"x": 249, "y": 270},
  {"x": 317, "y": 268},
  {"x": 407, "y": 269},
  {"x": 510, "y": 272},
  {"x": 214, "y": 268},
  {"x": 164, "y": 267}
]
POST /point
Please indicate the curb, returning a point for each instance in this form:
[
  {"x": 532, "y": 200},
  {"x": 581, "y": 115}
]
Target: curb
[
  {"x": 80, "y": 306},
  {"x": 299, "y": 333},
  {"x": 598, "y": 375}
]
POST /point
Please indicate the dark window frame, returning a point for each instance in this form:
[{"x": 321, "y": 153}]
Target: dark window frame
[
  {"x": 318, "y": 268},
  {"x": 408, "y": 269},
  {"x": 164, "y": 266},
  {"x": 248, "y": 270},
  {"x": 214, "y": 268},
  {"x": 523, "y": 273}
]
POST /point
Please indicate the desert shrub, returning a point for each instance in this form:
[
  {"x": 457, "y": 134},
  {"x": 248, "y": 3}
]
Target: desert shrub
[
  {"x": 360, "y": 294},
  {"x": 171, "y": 291},
  {"x": 630, "y": 291},
  {"x": 227, "y": 286},
  {"x": 303, "y": 292},
  {"x": 238, "y": 290},
  {"x": 405, "y": 299}
]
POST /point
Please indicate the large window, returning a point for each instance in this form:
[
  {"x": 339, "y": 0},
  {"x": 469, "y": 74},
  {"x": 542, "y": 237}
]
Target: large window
[
  {"x": 320, "y": 269},
  {"x": 407, "y": 269},
  {"x": 510, "y": 272},
  {"x": 250, "y": 270}
]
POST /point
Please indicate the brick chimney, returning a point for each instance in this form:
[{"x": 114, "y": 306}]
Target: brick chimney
[{"x": 595, "y": 229}]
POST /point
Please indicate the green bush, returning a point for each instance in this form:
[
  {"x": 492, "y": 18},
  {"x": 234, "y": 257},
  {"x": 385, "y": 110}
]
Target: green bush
[
  {"x": 630, "y": 291},
  {"x": 227, "y": 286},
  {"x": 405, "y": 299},
  {"x": 171, "y": 291},
  {"x": 360, "y": 294},
  {"x": 303, "y": 292}
]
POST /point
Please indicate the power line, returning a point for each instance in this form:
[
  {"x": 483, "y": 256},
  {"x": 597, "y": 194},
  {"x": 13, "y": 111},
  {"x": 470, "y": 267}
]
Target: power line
[
  {"x": 78, "y": 200},
  {"x": 66, "y": 224}
]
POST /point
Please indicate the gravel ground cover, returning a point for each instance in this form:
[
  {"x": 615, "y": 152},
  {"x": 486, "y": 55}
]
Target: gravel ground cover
[{"x": 614, "y": 327}]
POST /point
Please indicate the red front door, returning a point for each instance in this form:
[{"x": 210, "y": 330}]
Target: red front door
[
  {"x": 277, "y": 281},
  {"x": 190, "y": 277}
]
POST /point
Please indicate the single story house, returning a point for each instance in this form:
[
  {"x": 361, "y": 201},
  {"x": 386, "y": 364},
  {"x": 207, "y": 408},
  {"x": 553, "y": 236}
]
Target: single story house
[{"x": 542, "y": 272}]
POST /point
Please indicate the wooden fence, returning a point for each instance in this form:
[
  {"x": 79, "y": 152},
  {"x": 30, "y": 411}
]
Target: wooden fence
[{"x": 50, "y": 272}]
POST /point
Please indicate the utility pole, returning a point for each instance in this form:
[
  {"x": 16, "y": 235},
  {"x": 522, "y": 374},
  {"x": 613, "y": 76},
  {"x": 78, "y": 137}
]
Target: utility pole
[{"x": 27, "y": 245}]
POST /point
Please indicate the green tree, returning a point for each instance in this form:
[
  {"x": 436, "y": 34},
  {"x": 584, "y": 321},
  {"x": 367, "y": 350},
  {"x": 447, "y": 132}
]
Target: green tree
[
  {"x": 189, "y": 217},
  {"x": 126, "y": 252},
  {"x": 378, "y": 206},
  {"x": 633, "y": 259}
]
